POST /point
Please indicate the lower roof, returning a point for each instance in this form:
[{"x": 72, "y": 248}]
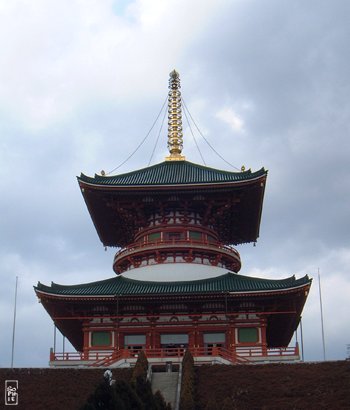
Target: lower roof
[{"x": 122, "y": 286}]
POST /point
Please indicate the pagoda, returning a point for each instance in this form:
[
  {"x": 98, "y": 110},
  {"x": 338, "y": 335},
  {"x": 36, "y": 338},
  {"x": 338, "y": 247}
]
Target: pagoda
[{"x": 177, "y": 287}]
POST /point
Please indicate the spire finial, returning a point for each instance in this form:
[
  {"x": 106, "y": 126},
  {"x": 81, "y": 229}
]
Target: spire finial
[{"x": 175, "y": 141}]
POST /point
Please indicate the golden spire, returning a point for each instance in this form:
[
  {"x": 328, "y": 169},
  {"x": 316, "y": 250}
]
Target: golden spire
[{"x": 175, "y": 142}]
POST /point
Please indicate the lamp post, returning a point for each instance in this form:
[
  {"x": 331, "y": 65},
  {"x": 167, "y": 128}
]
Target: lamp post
[{"x": 14, "y": 325}]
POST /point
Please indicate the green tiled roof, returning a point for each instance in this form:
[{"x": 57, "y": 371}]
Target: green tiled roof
[
  {"x": 173, "y": 173},
  {"x": 123, "y": 286}
]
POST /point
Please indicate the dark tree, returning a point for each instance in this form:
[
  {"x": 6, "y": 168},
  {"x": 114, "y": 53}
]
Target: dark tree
[
  {"x": 187, "y": 401},
  {"x": 128, "y": 396},
  {"x": 102, "y": 398},
  {"x": 121, "y": 395},
  {"x": 141, "y": 367}
]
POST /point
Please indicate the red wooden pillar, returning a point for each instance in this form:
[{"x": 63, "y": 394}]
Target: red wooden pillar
[
  {"x": 233, "y": 340},
  {"x": 155, "y": 336},
  {"x": 156, "y": 339},
  {"x": 149, "y": 337},
  {"x": 115, "y": 336},
  {"x": 86, "y": 339},
  {"x": 192, "y": 336},
  {"x": 230, "y": 333},
  {"x": 200, "y": 340},
  {"x": 263, "y": 336},
  {"x": 121, "y": 340}
]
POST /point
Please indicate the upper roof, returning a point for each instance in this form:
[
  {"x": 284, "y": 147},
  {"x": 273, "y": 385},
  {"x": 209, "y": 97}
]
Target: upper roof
[
  {"x": 121, "y": 286},
  {"x": 170, "y": 173},
  {"x": 120, "y": 205}
]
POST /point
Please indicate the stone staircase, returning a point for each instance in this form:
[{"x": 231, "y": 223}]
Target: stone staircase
[{"x": 167, "y": 384}]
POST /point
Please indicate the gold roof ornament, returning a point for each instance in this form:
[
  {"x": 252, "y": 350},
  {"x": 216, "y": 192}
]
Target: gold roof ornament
[{"x": 175, "y": 135}]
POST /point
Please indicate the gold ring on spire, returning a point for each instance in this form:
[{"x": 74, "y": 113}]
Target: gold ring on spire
[{"x": 175, "y": 135}]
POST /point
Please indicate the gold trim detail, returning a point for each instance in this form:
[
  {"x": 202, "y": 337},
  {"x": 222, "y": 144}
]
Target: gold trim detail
[{"x": 175, "y": 136}]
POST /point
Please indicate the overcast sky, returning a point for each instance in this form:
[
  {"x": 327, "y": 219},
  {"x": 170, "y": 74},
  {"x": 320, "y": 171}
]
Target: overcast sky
[{"x": 81, "y": 83}]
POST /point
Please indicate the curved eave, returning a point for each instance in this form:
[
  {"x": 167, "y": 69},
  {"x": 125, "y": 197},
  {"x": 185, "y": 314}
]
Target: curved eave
[
  {"x": 169, "y": 289},
  {"x": 177, "y": 186},
  {"x": 262, "y": 293},
  {"x": 170, "y": 174}
]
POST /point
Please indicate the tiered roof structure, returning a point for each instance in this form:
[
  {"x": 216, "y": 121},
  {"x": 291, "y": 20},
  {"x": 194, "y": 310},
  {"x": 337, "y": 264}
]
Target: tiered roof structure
[{"x": 177, "y": 283}]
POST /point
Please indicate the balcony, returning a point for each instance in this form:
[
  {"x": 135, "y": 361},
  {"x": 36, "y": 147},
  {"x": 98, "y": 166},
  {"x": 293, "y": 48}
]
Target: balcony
[
  {"x": 214, "y": 251},
  {"x": 202, "y": 355}
]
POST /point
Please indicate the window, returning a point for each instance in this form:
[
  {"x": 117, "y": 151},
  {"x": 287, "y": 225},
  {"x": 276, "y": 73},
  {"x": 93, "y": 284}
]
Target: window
[
  {"x": 152, "y": 237},
  {"x": 211, "y": 239},
  {"x": 213, "y": 341},
  {"x": 134, "y": 343},
  {"x": 174, "y": 236},
  {"x": 194, "y": 235},
  {"x": 211, "y": 338},
  {"x": 173, "y": 339},
  {"x": 248, "y": 335},
  {"x": 132, "y": 340},
  {"x": 101, "y": 338}
]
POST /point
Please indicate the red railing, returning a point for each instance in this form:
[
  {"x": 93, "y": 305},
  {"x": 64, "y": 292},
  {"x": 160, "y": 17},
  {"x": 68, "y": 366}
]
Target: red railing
[
  {"x": 136, "y": 247},
  {"x": 77, "y": 356},
  {"x": 108, "y": 360},
  {"x": 251, "y": 352},
  {"x": 239, "y": 355}
]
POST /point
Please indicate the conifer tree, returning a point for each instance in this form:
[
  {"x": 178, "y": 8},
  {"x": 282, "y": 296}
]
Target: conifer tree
[
  {"x": 102, "y": 398},
  {"x": 121, "y": 395},
  {"x": 187, "y": 383},
  {"x": 125, "y": 393},
  {"x": 141, "y": 367}
]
